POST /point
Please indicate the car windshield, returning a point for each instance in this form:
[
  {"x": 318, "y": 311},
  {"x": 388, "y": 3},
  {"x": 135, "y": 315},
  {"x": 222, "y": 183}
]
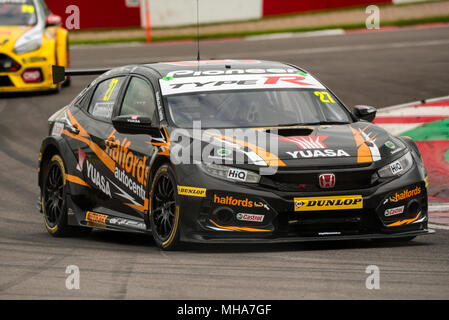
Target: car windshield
[
  {"x": 256, "y": 108},
  {"x": 17, "y": 13}
]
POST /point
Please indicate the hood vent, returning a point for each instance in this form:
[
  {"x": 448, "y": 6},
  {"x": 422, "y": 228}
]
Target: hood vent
[{"x": 293, "y": 132}]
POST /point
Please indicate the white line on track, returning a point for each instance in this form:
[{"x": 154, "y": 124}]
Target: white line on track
[
  {"x": 363, "y": 47},
  {"x": 417, "y": 111},
  {"x": 291, "y": 35},
  {"x": 274, "y": 53}
]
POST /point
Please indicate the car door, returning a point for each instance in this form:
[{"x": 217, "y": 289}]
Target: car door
[
  {"x": 132, "y": 152},
  {"x": 94, "y": 160}
]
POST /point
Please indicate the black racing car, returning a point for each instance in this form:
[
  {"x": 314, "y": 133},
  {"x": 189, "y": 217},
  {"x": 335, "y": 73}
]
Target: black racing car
[{"x": 226, "y": 151}]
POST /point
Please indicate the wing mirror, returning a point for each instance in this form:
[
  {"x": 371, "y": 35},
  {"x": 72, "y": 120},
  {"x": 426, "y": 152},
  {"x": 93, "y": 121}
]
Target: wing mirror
[
  {"x": 134, "y": 124},
  {"x": 53, "y": 20},
  {"x": 366, "y": 113}
]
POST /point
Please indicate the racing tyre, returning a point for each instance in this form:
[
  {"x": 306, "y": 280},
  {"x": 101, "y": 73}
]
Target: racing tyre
[
  {"x": 164, "y": 211},
  {"x": 54, "y": 200}
]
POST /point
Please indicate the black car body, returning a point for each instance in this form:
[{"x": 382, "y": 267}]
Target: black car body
[{"x": 108, "y": 159}]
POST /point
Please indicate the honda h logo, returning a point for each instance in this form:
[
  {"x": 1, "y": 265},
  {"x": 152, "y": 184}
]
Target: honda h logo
[{"x": 327, "y": 180}]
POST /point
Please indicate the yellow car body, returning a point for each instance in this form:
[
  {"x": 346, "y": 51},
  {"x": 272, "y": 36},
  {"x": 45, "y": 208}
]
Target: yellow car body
[{"x": 19, "y": 71}]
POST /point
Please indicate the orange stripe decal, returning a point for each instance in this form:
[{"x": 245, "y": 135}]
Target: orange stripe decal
[
  {"x": 83, "y": 136},
  {"x": 363, "y": 151},
  {"x": 141, "y": 208},
  {"x": 402, "y": 222},
  {"x": 269, "y": 158},
  {"x": 239, "y": 228},
  {"x": 75, "y": 179}
]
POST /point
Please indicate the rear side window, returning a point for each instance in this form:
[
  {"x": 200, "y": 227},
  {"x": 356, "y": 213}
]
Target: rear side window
[
  {"x": 104, "y": 98},
  {"x": 139, "y": 99},
  {"x": 45, "y": 8}
]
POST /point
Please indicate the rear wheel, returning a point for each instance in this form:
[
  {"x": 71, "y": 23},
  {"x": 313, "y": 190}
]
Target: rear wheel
[
  {"x": 164, "y": 213},
  {"x": 54, "y": 200}
]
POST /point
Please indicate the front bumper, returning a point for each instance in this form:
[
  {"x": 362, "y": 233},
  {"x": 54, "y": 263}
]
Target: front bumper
[
  {"x": 393, "y": 209},
  {"x": 13, "y": 81}
]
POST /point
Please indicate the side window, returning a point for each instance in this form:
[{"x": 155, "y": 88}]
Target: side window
[
  {"x": 45, "y": 8},
  {"x": 139, "y": 99},
  {"x": 104, "y": 97}
]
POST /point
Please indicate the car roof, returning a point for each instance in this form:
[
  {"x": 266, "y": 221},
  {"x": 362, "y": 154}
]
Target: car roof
[
  {"x": 167, "y": 68},
  {"x": 203, "y": 67}
]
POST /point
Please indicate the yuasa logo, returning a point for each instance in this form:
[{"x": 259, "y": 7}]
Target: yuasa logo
[
  {"x": 98, "y": 179},
  {"x": 236, "y": 174},
  {"x": 327, "y": 180},
  {"x": 394, "y": 211}
]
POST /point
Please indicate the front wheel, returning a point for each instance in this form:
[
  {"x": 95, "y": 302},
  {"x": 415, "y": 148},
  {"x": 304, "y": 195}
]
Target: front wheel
[{"x": 164, "y": 211}]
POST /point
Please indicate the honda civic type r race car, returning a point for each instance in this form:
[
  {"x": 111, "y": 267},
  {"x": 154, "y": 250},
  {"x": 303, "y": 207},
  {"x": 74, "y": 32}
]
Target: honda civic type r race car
[
  {"x": 226, "y": 151},
  {"x": 31, "y": 41}
]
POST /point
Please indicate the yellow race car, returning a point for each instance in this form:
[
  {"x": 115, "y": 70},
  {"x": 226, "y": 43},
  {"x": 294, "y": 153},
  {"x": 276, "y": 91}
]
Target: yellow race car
[{"x": 31, "y": 41}]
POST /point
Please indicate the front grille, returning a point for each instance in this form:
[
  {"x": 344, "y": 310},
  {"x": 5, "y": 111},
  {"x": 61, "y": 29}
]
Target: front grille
[
  {"x": 345, "y": 222},
  {"x": 5, "y": 82},
  {"x": 308, "y": 181},
  {"x": 7, "y": 64}
]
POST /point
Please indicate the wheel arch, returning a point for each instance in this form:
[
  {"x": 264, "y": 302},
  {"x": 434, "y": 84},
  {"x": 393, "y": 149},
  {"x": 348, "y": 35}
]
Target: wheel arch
[
  {"x": 51, "y": 146},
  {"x": 155, "y": 165}
]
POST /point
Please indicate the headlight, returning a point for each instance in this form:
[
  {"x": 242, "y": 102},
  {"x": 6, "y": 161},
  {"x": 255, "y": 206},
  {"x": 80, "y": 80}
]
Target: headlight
[
  {"x": 398, "y": 167},
  {"x": 229, "y": 173},
  {"x": 30, "y": 41},
  {"x": 28, "y": 46}
]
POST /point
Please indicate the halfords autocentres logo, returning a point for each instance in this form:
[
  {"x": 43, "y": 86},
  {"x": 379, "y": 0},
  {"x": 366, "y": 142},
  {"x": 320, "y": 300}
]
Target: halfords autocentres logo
[
  {"x": 405, "y": 194},
  {"x": 394, "y": 211},
  {"x": 126, "y": 159},
  {"x": 329, "y": 203},
  {"x": 250, "y": 217},
  {"x": 231, "y": 201}
]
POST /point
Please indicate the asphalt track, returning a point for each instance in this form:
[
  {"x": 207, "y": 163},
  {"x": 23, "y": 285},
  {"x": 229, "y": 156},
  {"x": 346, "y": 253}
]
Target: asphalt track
[{"x": 378, "y": 69}]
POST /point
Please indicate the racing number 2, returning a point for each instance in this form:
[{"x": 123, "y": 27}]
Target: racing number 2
[
  {"x": 324, "y": 97},
  {"x": 111, "y": 89}
]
